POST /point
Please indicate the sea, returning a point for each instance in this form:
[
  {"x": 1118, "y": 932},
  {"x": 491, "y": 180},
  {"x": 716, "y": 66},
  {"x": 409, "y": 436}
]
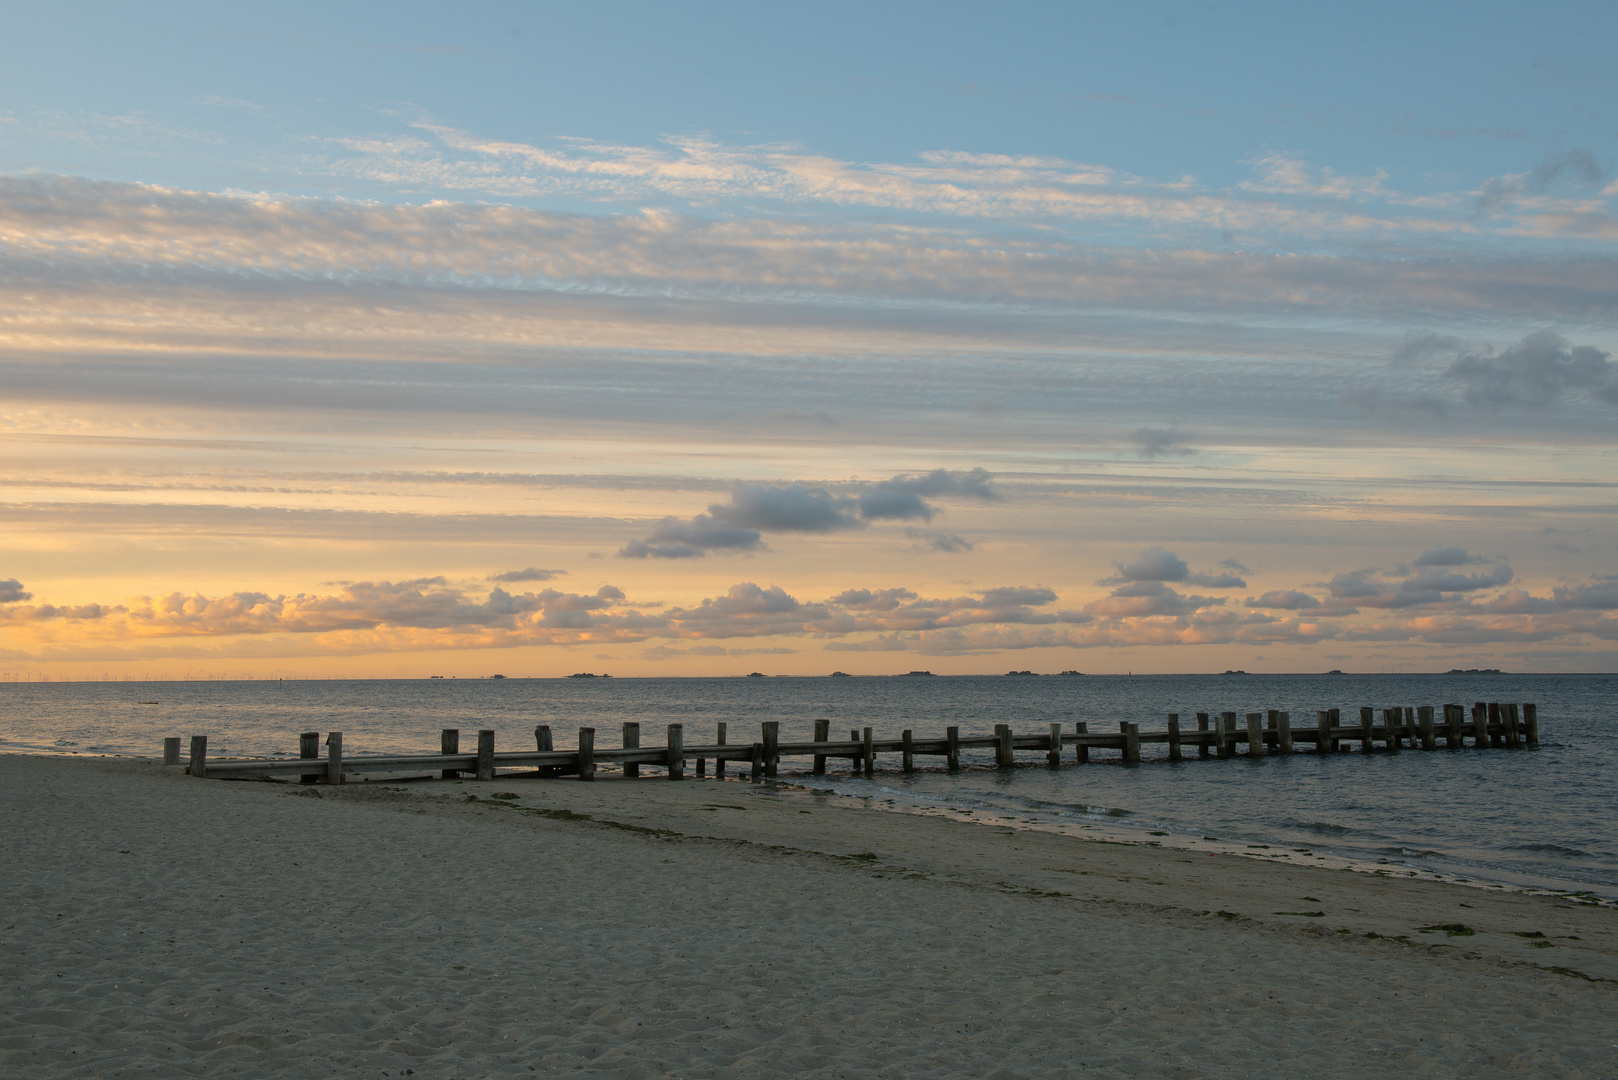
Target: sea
[{"x": 1542, "y": 819}]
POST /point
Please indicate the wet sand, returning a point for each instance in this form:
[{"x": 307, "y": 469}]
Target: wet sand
[{"x": 156, "y": 925}]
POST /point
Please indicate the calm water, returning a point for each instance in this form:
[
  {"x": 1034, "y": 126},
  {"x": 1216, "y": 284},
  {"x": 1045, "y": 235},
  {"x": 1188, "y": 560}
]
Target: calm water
[{"x": 1542, "y": 817}]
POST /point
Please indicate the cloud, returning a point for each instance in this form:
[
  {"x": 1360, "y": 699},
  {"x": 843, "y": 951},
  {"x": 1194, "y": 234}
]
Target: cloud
[
  {"x": 1157, "y": 564},
  {"x": 1600, "y": 594},
  {"x": 1535, "y": 373},
  {"x": 1574, "y": 169},
  {"x": 1428, "y": 585},
  {"x": 1448, "y": 556},
  {"x": 530, "y": 574},
  {"x": 12, "y": 592},
  {"x": 939, "y": 541},
  {"x": 1419, "y": 345},
  {"x": 1159, "y": 442},
  {"x": 1284, "y": 600},
  {"x": 755, "y": 509},
  {"x": 902, "y": 496},
  {"x": 1143, "y": 598},
  {"x": 367, "y": 616}
]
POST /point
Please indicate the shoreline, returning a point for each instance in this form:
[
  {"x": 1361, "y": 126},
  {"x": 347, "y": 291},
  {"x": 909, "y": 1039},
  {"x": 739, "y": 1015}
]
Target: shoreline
[
  {"x": 1487, "y": 878},
  {"x": 634, "y": 928}
]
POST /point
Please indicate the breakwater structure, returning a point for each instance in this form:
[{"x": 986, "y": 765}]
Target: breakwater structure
[{"x": 1216, "y": 735}]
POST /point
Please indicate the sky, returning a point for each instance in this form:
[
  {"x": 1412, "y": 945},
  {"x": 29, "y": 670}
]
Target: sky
[{"x": 396, "y": 340}]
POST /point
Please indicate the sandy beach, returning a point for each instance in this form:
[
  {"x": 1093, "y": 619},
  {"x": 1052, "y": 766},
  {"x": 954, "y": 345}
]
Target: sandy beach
[{"x": 156, "y": 925}]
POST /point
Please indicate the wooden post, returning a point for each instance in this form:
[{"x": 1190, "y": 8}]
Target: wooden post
[
  {"x": 1336, "y": 721},
  {"x": 719, "y": 762},
  {"x": 1255, "y": 734},
  {"x": 1508, "y": 716},
  {"x": 1203, "y": 749},
  {"x": 1480, "y": 724},
  {"x": 449, "y": 742},
  {"x": 334, "y": 757},
  {"x": 198, "y": 765},
  {"x": 1497, "y": 726},
  {"x": 1054, "y": 756},
  {"x": 1229, "y": 741},
  {"x": 676, "y": 751},
  {"x": 909, "y": 759},
  {"x": 854, "y": 759},
  {"x": 486, "y": 754},
  {"x": 952, "y": 755},
  {"x": 1412, "y": 726},
  {"x": 758, "y": 762},
  {"x": 308, "y": 750},
  {"x": 1390, "y": 720},
  {"x": 543, "y": 743},
  {"x": 1221, "y": 730},
  {"x": 631, "y": 741},
  {"x": 1454, "y": 716},
  {"x": 868, "y": 751},
  {"x": 1081, "y": 750},
  {"x": 1174, "y": 736},
  {"x": 1367, "y": 719},
  {"x": 1323, "y": 739},
  {"x": 772, "y": 741},
  {"x": 1002, "y": 746},
  {"x": 171, "y": 750},
  {"x": 1530, "y": 723},
  {"x": 822, "y": 734},
  {"x": 587, "y": 753},
  {"x": 1424, "y": 727},
  {"x": 1283, "y": 732},
  {"x": 1132, "y": 744}
]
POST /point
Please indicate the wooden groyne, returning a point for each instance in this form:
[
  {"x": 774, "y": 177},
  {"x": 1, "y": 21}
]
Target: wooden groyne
[{"x": 1215, "y": 735}]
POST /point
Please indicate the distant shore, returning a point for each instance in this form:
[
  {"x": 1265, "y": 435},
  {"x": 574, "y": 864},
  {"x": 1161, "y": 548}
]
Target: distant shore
[{"x": 642, "y": 927}]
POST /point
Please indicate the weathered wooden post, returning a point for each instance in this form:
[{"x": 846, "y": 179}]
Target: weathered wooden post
[
  {"x": 486, "y": 754},
  {"x": 952, "y": 747},
  {"x": 308, "y": 750},
  {"x": 908, "y": 751},
  {"x": 1221, "y": 727},
  {"x": 631, "y": 741},
  {"x": 1002, "y": 746},
  {"x": 543, "y": 743},
  {"x": 1053, "y": 755},
  {"x": 719, "y": 762},
  {"x": 1367, "y": 722},
  {"x": 1255, "y": 734},
  {"x": 1203, "y": 749},
  {"x": 198, "y": 765},
  {"x": 868, "y": 751},
  {"x": 1390, "y": 720},
  {"x": 1454, "y": 716},
  {"x": 1283, "y": 732},
  {"x": 1412, "y": 726},
  {"x": 1323, "y": 739},
  {"x": 1230, "y": 734},
  {"x": 676, "y": 751},
  {"x": 1424, "y": 721},
  {"x": 171, "y": 750},
  {"x": 771, "y": 734},
  {"x": 1174, "y": 736},
  {"x": 587, "y": 753},
  {"x": 1132, "y": 744},
  {"x": 1480, "y": 724},
  {"x": 1081, "y": 749},
  {"x": 449, "y": 742},
  {"x": 1530, "y": 721},
  {"x": 334, "y": 757},
  {"x": 1508, "y": 717},
  {"x": 758, "y": 762},
  {"x": 822, "y": 734}
]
